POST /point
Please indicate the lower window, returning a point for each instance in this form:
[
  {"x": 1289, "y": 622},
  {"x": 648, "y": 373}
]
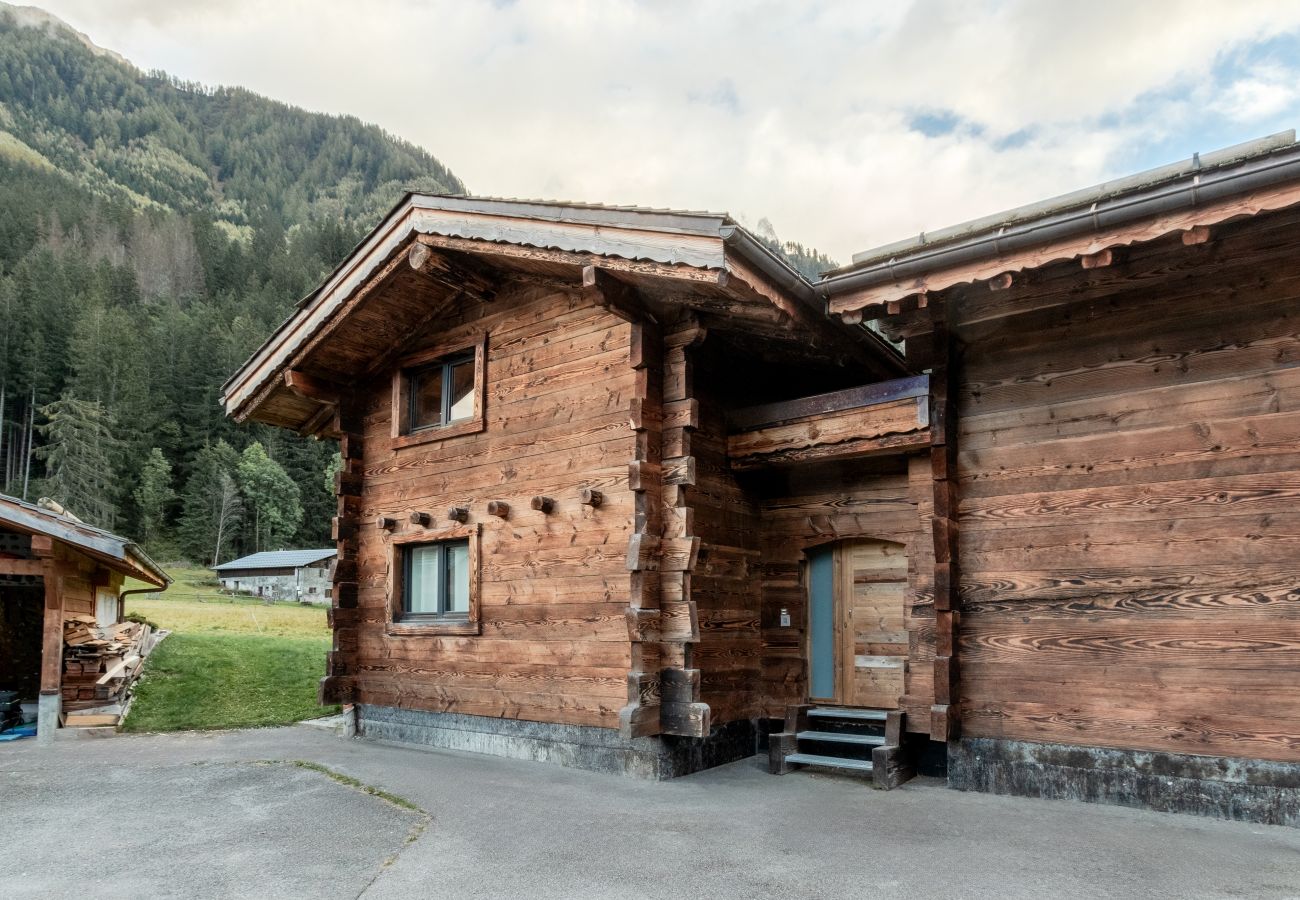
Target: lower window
[{"x": 435, "y": 581}]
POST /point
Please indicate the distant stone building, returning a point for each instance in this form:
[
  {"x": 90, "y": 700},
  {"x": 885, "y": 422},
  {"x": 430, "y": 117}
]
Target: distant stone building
[{"x": 302, "y": 575}]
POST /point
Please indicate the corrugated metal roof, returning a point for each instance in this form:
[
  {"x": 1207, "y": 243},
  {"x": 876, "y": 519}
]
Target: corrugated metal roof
[
  {"x": 104, "y": 544},
  {"x": 277, "y": 559}
]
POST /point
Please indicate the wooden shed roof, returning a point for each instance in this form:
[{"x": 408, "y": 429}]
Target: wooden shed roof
[
  {"x": 117, "y": 553},
  {"x": 698, "y": 261}
]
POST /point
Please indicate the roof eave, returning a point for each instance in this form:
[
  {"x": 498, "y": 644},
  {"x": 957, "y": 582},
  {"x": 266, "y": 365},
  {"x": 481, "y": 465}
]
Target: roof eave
[{"x": 1189, "y": 190}]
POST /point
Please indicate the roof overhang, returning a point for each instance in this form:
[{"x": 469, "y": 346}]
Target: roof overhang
[
  {"x": 116, "y": 553},
  {"x": 1186, "y": 198},
  {"x": 697, "y": 250}
]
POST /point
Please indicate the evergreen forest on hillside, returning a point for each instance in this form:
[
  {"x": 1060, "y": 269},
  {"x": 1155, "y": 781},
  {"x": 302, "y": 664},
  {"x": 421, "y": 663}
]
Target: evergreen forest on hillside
[{"x": 154, "y": 233}]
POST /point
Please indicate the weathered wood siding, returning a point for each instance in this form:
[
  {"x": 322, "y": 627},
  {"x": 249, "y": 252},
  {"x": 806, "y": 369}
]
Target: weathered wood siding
[
  {"x": 725, "y": 584},
  {"x": 1129, "y": 478},
  {"x": 554, "y": 645},
  {"x": 816, "y": 504}
]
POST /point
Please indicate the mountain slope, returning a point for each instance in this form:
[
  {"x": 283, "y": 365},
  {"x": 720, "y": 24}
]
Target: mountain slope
[
  {"x": 152, "y": 233},
  {"x": 152, "y": 140}
]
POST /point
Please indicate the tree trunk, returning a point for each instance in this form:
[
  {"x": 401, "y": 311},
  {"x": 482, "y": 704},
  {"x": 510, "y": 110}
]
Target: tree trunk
[{"x": 27, "y": 457}]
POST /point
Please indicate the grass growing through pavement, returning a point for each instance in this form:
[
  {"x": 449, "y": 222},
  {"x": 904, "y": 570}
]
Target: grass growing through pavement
[{"x": 229, "y": 662}]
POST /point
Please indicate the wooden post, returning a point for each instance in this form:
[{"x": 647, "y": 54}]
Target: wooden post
[
  {"x": 682, "y": 713},
  {"x": 641, "y": 715},
  {"x": 945, "y": 713},
  {"x": 337, "y": 684}
]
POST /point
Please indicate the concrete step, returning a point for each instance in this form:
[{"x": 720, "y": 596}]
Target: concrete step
[
  {"x": 830, "y": 762},
  {"x": 875, "y": 740},
  {"x": 847, "y": 712}
]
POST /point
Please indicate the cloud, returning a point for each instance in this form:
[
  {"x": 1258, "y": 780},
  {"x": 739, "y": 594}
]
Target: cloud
[{"x": 847, "y": 124}]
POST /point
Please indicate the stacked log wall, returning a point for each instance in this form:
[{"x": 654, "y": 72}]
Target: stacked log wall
[
  {"x": 725, "y": 583},
  {"x": 554, "y": 643},
  {"x": 1129, "y": 474}
]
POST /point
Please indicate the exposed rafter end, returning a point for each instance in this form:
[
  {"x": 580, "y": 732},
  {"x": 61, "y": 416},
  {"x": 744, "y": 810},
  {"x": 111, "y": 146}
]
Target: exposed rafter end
[
  {"x": 1001, "y": 282},
  {"x": 1197, "y": 234},
  {"x": 423, "y": 260},
  {"x": 1099, "y": 260},
  {"x": 618, "y": 297},
  {"x": 311, "y": 388}
]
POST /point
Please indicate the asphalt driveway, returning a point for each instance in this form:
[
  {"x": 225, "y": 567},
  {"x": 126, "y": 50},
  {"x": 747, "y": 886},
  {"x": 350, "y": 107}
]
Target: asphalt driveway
[{"x": 285, "y": 813}]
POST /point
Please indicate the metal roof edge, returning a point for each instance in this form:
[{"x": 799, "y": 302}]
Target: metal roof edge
[
  {"x": 1231, "y": 171},
  {"x": 1197, "y": 162}
]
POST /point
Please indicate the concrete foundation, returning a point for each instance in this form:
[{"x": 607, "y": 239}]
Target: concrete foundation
[
  {"x": 1240, "y": 789},
  {"x": 577, "y": 746},
  {"x": 48, "y": 708}
]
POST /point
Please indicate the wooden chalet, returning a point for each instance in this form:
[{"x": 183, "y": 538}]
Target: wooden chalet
[
  {"x": 623, "y": 490},
  {"x": 61, "y": 594}
]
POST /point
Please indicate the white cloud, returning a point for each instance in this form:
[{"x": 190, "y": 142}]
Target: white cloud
[{"x": 802, "y": 113}]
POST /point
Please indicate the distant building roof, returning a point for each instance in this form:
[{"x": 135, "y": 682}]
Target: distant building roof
[
  {"x": 276, "y": 559},
  {"x": 116, "y": 552}
]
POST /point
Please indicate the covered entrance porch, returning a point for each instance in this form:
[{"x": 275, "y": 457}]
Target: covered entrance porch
[{"x": 844, "y": 487}]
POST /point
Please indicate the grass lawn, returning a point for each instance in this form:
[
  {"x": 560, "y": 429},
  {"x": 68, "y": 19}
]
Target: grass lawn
[{"x": 229, "y": 662}]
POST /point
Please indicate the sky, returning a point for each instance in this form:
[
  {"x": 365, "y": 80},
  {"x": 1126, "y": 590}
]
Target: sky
[{"x": 846, "y": 124}]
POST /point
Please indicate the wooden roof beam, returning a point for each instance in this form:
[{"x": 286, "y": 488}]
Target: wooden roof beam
[
  {"x": 472, "y": 283},
  {"x": 312, "y": 388},
  {"x": 619, "y": 297}
]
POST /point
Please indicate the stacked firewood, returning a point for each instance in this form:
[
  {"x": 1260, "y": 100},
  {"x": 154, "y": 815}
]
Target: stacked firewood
[{"x": 99, "y": 665}]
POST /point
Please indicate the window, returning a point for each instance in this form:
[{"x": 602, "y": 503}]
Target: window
[
  {"x": 436, "y": 581},
  {"x": 438, "y": 394},
  {"x": 435, "y": 585}
]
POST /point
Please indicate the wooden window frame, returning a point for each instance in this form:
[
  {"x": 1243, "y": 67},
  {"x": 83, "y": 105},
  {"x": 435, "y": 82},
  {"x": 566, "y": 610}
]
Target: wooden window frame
[
  {"x": 402, "y": 435},
  {"x": 398, "y": 626}
]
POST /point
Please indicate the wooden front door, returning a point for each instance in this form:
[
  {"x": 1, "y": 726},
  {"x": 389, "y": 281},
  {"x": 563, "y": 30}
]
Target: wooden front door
[{"x": 857, "y": 639}]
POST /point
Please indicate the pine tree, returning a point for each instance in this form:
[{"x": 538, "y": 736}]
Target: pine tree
[
  {"x": 211, "y": 507},
  {"x": 273, "y": 497},
  {"x": 153, "y": 495},
  {"x": 80, "y": 454}
]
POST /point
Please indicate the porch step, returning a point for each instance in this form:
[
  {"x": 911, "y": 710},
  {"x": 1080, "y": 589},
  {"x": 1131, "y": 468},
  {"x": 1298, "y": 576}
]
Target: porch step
[
  {"x": 836, "y": 737},
  {"x": 833, "y": 712},
  {"x": 830, "y": 762}
]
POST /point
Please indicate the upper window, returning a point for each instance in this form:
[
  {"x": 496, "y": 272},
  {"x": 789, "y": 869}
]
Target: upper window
[
  {"x": 438, "y": 394},
  {"x": 442, "y": 393}
]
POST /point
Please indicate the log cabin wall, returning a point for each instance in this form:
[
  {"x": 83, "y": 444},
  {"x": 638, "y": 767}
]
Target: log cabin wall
[
  {"x": 814, "y": 504},
  {"x": 1129, "y": 473},
  {"x": 554, "y": 645},
  {"x": 725, "y": 583}
]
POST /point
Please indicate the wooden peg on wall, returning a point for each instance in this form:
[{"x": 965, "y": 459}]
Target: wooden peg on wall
[
  {"x": 422, "y": 519},
  {"x": 384, "y": 523},
  {"x": 543, "y": 504},
  {"x": 458, "y": 514},
  {"x": 498, "y": 508},
  {"x": 592, "y": 497}
]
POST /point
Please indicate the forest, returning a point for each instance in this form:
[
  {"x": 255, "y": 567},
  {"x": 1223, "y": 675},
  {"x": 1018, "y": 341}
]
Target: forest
[{"x": 153, "y": 233}]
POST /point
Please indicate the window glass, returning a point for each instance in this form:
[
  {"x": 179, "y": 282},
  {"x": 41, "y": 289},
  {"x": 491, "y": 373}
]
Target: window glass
[
  {"x": 462, "y": 390},
  {"x": 423, "y": 581},
  {"x": 426, "y": 397},
  {"x": 458, "y": 578}
]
